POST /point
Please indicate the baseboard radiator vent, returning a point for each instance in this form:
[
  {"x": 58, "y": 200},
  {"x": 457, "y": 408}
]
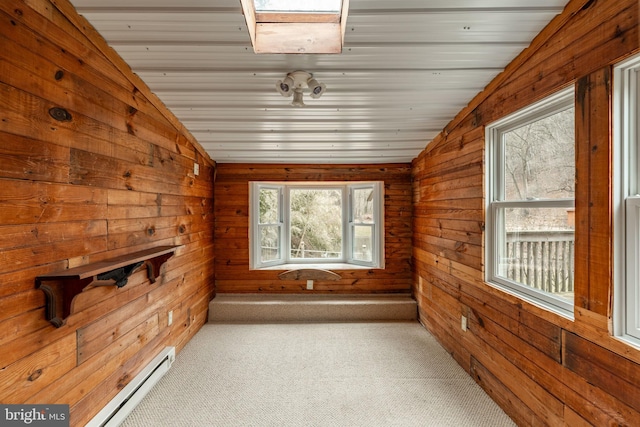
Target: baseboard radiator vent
[{"x": 114, "y": 413}]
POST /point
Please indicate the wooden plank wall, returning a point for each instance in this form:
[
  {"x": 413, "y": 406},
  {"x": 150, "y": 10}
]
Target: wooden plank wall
[
  {"x": 232, "y": 228},
  {"x": 541, "y": 368},
  {"x": 115, "y": 178}
]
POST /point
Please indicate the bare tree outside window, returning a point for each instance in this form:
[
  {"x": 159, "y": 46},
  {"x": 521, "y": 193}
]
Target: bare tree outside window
[
  {"x": 363, "y": 224},
  {"x": 316, "y": 223},
  {"x": 269, "y": 205},
  {"x": 540, "y": 164},
  {"x": 269, "y": 224}
]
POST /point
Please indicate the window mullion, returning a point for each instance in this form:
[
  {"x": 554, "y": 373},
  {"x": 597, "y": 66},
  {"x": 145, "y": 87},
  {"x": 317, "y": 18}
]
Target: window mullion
[
  {"x": 632, "y": 130},
  {"x": 347, "y": 220},
  {"x": 286, "y": 222}
]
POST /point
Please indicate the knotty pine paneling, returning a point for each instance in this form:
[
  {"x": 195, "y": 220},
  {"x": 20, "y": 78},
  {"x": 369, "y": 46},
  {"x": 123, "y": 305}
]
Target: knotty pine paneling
[
  {"x": 115, "y": 178},
  {"x": 232, "y": 228},
  {"x": 541, "y": 368}
]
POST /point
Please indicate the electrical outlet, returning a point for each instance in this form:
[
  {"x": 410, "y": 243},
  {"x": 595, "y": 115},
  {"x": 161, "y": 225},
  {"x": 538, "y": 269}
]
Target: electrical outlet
[
  {"x": 170, "y": 318},
  {"x": 463, "y": 323},
  {"x": 196, "y": 169},
  {"x": 309, "y": 284}
]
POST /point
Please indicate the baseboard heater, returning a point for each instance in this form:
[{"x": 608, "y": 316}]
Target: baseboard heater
[{"x": 124, "y": 402}]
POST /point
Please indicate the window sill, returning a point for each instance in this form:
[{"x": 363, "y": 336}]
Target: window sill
[
  {"x": 629, "y": 340},
  {"x": 564, "y": 309},
  {"x": 332, "y": 266}
]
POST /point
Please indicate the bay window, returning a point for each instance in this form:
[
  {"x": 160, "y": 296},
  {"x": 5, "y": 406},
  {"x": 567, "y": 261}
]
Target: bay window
[{"x": 316, "y": 223}]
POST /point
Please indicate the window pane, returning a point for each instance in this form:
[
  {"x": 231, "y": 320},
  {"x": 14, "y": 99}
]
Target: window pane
[
  {"x": 538, "y": 249},
  {"x": 316, "y": 223},
  {"x": 333, "y": 6},
  {"x": 540, "y": 159},
  {"x": 269, "y": 243},
  {"x": 269, "y": 205},
  {"x": 363, "y": 205},
  {"x": 362, "y": 243},
  {"x": 632, "y": 290}
]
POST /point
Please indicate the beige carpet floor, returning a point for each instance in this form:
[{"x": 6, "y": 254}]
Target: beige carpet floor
[{"x": 316, "y": 374}]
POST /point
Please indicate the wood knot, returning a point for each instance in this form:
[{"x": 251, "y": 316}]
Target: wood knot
[
  {"x": 122, "y": 382},
  {"x": 59, "y": 75},
  {"x": 151, "y": 231},
  {"x": 35, "y": 375},
  {"x": 460, "y": 247},
  {"x": 60, "y": 114},
  {"x": 182, "y": 229}
]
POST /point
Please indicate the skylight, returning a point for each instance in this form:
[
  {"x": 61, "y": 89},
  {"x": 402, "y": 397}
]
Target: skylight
[
  {"x": 295, "y": 26},
  {"x": 327, "y": 6}
]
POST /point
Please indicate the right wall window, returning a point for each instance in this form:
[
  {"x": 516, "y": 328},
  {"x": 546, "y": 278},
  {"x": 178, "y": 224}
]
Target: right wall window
[
  {"x": 627, "y": 200},
  {"x": 530, "y": 203}
]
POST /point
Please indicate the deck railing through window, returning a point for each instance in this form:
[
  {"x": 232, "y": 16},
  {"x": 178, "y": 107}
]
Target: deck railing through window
[
  {"x": 542, "y": 260},
  {"x": 269, "y": 252}
]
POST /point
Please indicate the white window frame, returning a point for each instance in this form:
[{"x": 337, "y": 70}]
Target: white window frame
[
  {"x": 254, "y": 194},
  {"x": 376, "y": 226},
  {"x": 626, "y": 201},
  {"x": 346, "y": 189},
  {"x": 495, "y": 203}
]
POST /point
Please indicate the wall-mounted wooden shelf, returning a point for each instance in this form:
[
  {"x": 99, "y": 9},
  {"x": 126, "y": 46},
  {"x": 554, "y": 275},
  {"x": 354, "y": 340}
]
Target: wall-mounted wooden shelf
[{"x": 61, "y": 287}]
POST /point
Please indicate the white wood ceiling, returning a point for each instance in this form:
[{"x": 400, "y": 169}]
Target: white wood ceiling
[{"x": 406, "y": 69}]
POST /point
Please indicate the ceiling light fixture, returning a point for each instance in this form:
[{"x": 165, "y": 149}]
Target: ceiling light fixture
[{"x": 295, "y": 82}]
